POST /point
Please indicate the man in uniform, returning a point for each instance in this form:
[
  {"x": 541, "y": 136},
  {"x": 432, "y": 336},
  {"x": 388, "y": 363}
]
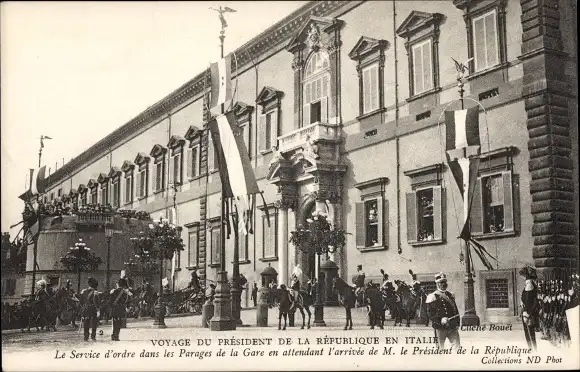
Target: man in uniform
[
  {"x": 42, "y": 298},
  {"x": 119, "y": 298},
  {"x": 443, "y": 313},
  {"x": 359, "y": 281},
  {"x": 90, "y": 304}
]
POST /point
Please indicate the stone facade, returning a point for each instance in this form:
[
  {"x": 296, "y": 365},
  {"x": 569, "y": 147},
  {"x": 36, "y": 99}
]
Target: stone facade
[{"x": 319, "y": 138}]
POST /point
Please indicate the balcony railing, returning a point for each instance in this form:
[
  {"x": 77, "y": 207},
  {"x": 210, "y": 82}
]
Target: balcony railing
[
  {"x": 316, "y": 131},
  {"x": 95, "y": 218}
]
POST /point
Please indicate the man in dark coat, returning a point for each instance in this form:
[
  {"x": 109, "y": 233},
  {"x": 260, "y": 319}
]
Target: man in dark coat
[
  {"x": 530, "y": 306},
  {"x": 284, "y": 303},
  {"x": 255, "y": 294},
  {"x": 444, "y": 314},
  {"x": 119, "y": 298},
  {"x": 90, "y": 304}
]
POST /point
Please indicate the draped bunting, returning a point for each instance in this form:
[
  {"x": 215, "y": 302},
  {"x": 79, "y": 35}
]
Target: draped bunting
[{"x": 462, "y": 149}]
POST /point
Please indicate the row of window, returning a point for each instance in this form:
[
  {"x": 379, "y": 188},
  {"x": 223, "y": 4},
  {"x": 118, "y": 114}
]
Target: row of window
[
  {"x": 492, "y": 213},
  {"x": 268, "y": 247}
]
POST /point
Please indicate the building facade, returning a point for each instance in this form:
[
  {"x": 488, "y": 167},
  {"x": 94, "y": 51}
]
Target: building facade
[{"x": 341, "y": 108}]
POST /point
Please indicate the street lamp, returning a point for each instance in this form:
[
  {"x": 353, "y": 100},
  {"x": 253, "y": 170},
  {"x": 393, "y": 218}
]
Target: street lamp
[
  {"x": 321, "y": 237},
  {"x": 108, "y": 236},
  {"x": 161, "y": 241},
  {"x": 80, "y": 258}
]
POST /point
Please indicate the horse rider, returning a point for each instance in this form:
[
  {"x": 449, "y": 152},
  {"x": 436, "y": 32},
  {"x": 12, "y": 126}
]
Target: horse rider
[
  {"x": 359, "y": 280},
  {"x": 444, "y": 314},
  {"x": 90, "y": 305},
  {"x": 295, "y": 282}
]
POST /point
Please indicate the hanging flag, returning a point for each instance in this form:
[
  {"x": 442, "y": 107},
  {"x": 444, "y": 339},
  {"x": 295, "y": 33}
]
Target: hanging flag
[
  {"x": 235, "y": 168},
  {"x": 42, "y": 138},
  {"x": 38, "y": 181},
  {"x": 221, "y": 83}
]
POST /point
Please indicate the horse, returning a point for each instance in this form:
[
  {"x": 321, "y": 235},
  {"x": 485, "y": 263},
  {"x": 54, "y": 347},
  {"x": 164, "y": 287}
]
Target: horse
[
  {"x": 420, "y": 304},
  {"x": 393, "y": 303},
  {"x": 409, "y": 301},
  {"x": 67, "y": 306},
  {"x": 303, "y": 302},
  {"x": 375, "y": 303},
  {"x": 346, "y": 298},
  {"x": 281, "y": 296}
]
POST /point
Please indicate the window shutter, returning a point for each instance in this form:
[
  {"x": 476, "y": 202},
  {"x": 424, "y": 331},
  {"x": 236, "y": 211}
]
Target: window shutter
[
  {"x": 411, "y": 198},
  {"x": 366, "y": 90},
  {"x": 360, "y": 224},
  {"x": 139, "y": 188},
  {"x": 374, "y": 88},
  {"x": 438, "y": 213},
  {"x": 154, "y": 177},
  {"x": 189, "y": 162},
  {"x": 508, "y": 201},
  {"x": 172, "y": 169},
  {"x": 476, "y": 214},
  {"x": 324, "y": 110},
  {"x": 479, "y": 43},
  {"x": 427, "y": 62},
  {"x": 262, "y": 133},
  {"x": 210, "y": 153},
  {"x": 417, "y": 70},
  {"x": 385, "y": 224},
  {"x": 306, "y": 113},
  {"x": 192, "y": 257},
  {"x": 491, "y": 39},
  {"x": 274, "y": 128}
]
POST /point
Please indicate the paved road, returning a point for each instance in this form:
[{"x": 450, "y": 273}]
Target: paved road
[{"x": 41, "y": 350}]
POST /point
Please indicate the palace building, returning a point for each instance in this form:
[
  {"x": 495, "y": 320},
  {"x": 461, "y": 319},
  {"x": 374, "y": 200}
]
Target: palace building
[{"x": 352, "y": 94}]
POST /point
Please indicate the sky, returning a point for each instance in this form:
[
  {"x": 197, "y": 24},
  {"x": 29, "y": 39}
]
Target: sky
[{"x": 77, "y": 71}]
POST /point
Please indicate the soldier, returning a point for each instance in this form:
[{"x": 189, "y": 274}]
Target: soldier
[
  {"x": 530, "y": 306},
  {"x": 443, "y": 313},
  {"x": 359, "y": 281},
  {"x": 90, "y": 304},
  {"x": 119, "y": 298},
  {"x": 42, "y": 297},
  {"x": 255, "y": 294}
]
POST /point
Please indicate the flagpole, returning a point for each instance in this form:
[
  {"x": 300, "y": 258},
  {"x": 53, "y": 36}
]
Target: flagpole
[
  {"x": 470, "y": 317},
  {"x": 222, "y": 319}
]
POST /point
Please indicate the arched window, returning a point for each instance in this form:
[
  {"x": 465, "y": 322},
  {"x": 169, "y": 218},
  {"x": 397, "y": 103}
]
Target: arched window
[{"x": 316, "y": 87}]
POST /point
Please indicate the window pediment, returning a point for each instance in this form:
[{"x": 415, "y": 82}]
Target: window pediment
[
  {"x": 127, "y": 166},
  {"x": 365, "y": 46},
  {"x": 158, "y": 150},
  {"x": 417, "y": 21},
  {"x": 142, "y": 158},
  {"x": 192, "y": 132},
  {"x": 72, "y": 193},
  {"x": 243, "y": 112},
  {"x": 114, "y": 172},
  {"x": 102, "y": 178},
  {"x": 268, "y": 98},
  {"x": 311, "y": 33},
  {"x": 92, "y": 183},
  {"x": 425, "y": 176},
  {"x": 175, "y": 141},
  {"x": 82, "y": 189}
]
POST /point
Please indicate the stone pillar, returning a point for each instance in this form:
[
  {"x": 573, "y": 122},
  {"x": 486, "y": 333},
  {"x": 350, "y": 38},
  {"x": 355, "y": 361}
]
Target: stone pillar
[
  {"x": 546, "y": 93},
  {"x": 283, "y": 245}
]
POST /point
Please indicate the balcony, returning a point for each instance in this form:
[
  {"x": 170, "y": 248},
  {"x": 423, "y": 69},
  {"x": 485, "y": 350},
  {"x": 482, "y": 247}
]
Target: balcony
[{"x": 316, "y": 132}]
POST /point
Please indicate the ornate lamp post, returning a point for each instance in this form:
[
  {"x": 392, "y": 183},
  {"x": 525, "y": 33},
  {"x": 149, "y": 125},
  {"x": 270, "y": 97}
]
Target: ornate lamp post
[
  {"x": 321, "y": 237},
  {"x": 80, "y": 258},
  {"x": 160, "y": 242}
]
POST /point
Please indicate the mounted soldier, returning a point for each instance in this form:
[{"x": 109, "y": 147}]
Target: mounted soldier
[
  {"x": 295, "y": 283},
  {"x": 359, "y": 282}
]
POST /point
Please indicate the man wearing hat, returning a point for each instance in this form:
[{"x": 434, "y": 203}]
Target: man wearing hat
[
  {"x": 90, "y": 304},
  {"x": 443, "y": 313},
  {"x": 530, "y": 306},
  {"x": 119, "y": 298},
  {"x": 42, "y": 296}
]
